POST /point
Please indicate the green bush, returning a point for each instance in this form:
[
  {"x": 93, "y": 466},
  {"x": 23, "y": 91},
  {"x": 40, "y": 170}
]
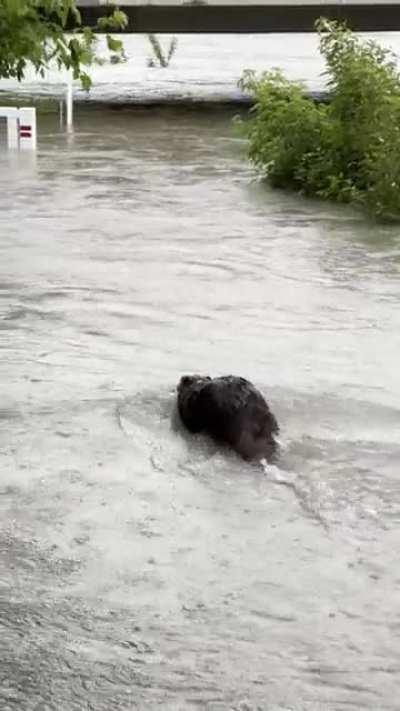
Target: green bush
[{"x": 345, "y": 150}]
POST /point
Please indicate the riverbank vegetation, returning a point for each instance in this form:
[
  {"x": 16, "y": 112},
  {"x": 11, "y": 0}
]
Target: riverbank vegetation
[
  {"x": 348, "y": 149},
  {"x": 34, "y": 32}
]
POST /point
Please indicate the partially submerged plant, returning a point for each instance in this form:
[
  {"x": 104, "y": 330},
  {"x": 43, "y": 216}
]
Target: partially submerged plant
[
  {"x": 346, "y": 150},
  {"x": 159, "y": 57}
]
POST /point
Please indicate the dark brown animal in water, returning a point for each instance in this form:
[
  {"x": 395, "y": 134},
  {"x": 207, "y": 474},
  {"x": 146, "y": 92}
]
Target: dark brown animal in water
[{"x": 232, "y": 411}]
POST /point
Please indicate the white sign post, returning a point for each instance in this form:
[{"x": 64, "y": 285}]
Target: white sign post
[
  {"x": 21, "y": 127},
  {"x": 69, "y": 100}
]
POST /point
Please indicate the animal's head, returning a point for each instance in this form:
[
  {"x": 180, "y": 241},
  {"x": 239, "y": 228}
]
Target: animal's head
[{"x": 191, "y": 383}]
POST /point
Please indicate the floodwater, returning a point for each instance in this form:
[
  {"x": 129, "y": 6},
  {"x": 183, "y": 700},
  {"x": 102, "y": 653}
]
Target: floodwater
[
  {"x": 141, "y": 568},
  {"x": 203, "y": 68}
]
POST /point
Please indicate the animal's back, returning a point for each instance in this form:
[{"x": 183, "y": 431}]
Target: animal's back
[
  {"x": 232, "y": 406},
  {"x": 231, "y": 410}
]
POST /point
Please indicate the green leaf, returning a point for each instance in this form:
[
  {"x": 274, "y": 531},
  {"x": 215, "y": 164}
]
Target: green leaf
[
  {"x": 85, "y": 81},
  {"x": 114, "y": 45},
  {"x": 32, "y": 32}
]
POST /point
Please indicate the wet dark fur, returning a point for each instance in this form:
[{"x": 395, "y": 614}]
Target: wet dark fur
[{"x": 231, "y": 410}]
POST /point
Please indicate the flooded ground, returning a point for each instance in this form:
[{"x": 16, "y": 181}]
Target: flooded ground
[
  {"x": 203, "y": 68},
  {"x": 141, "y": 568}
]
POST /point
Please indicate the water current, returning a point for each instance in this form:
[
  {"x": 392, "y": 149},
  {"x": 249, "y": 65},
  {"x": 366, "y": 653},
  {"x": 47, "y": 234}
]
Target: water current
[{"x": 144, "y": 568}]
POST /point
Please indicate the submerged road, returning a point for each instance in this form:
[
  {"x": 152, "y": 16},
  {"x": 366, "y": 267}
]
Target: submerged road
[{"x": 144, "y": 569}]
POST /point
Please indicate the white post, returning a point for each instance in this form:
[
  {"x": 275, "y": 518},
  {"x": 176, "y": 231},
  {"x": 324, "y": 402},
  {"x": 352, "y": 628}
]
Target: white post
[
  {"x": 10, "y": 113},
  {"x": 12, "y": 132},
  {"x": 27, "y": 129},
  {"x": 21, "y": 127},
  {"x": 69, "y": 99}
]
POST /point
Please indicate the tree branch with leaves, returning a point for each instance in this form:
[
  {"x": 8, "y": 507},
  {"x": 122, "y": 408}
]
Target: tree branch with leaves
[{"x": 35, "y": 32}]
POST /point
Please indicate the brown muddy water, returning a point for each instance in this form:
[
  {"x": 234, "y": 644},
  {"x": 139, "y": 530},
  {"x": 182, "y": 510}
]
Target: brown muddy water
[{"x": 141, "y": 568}]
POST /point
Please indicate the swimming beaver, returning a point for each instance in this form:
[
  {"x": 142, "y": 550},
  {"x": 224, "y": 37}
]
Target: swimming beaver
[{"x": 231, "y": 410}]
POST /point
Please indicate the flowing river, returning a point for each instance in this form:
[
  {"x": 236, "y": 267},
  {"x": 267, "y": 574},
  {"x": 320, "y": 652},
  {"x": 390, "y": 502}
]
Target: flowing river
[{"x": 141, "y": 568}]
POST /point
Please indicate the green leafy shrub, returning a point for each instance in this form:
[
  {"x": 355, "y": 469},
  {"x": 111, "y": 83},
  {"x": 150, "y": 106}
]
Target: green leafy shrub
[{"x": 346, "y": 150}]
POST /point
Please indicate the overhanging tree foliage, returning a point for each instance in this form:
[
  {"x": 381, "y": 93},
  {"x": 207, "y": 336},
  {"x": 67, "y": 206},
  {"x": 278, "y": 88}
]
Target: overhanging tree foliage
[{"x": 34, "y": 32}]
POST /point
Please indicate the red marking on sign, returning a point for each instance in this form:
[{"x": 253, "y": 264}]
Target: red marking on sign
[
  {"x": 25, "y": 128},
  {"x": 25, "y": 134}
]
